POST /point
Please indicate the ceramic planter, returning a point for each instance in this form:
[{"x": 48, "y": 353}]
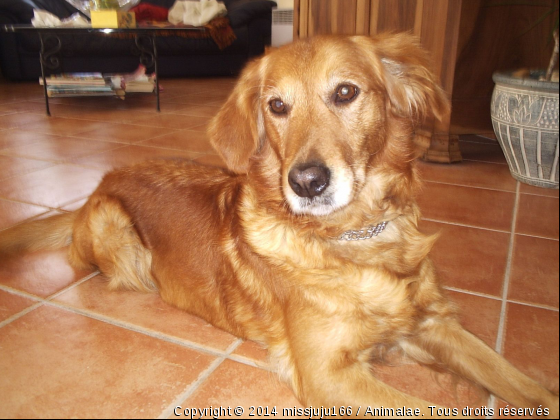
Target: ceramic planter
[{"x": 525, "y": 118}]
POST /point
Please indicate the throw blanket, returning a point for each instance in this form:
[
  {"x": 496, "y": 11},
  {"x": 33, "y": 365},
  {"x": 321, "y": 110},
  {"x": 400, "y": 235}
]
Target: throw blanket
[
  {"x": 196, "y": 13},
  {"x": 218, "y": 29}
]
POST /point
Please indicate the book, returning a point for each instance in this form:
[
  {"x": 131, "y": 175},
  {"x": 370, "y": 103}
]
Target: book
[
  {"x": 55, "y": 94},
  {"x": 96, "y": 79},
  {"x": 98, "y": 84}
]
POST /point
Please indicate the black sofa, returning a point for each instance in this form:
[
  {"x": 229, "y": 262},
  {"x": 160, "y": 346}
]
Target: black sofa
[{"x": 177, "y": 56}]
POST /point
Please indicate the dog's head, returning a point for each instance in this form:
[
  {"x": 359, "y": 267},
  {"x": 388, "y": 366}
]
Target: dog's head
[{"x": 321, "y": 117}]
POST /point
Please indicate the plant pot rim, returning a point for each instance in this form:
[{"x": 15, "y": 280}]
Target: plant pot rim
[{"x": 506, "y": 77}]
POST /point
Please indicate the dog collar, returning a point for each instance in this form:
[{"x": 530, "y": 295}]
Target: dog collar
[{"x": 364, "y": 234}]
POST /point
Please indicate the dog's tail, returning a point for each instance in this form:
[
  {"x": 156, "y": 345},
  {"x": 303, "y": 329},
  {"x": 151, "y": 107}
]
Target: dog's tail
[{"x": 50, "y": 233}]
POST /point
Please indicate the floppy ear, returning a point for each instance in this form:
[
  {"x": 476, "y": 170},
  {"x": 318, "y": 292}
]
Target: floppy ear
[
  {"x": 413, "y": 90},
  {"x": 236, "y": 131}
]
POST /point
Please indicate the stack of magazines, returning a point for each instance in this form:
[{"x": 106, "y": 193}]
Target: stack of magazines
[{"x": 98, "y": 84}]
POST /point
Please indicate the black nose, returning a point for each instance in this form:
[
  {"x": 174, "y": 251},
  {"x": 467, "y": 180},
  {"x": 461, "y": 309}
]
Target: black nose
[{"x": 309, "y": 180}]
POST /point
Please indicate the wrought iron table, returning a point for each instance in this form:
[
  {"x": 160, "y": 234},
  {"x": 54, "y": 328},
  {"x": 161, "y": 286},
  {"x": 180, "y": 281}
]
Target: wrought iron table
[{"x": 144, "y": 38}]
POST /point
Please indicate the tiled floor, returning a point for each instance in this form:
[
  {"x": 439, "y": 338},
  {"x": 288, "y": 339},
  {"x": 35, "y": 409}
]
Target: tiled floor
[{"x": 70, "y": 348}]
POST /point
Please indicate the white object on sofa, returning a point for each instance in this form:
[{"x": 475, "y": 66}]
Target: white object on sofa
[
  {"x": 196, "y": 13},
  {"x": 44, "y": 19}
]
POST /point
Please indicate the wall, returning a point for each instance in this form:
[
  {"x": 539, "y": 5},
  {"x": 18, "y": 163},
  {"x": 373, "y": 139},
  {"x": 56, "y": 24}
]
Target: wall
[
  {"x": 285, "y": 4},
  {"x": 490, "y": 39}
]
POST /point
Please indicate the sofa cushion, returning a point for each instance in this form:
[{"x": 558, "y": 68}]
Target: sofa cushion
[
  {"x": 23, "y": 9},
  {"x": 241, "y": 12}
]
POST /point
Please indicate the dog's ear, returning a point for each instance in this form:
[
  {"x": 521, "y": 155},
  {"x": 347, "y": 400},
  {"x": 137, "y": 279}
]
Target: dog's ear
[
  {"x": 412, "y": 89},
  {"x": 237, "y": 130}
]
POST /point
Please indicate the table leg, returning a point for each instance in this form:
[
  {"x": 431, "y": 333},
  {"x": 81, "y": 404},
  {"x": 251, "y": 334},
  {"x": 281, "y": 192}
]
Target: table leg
[
  {"x": 148, "y": 57},
  {"x": 48, "y": 58},
  {"x": 156, "y": 72}
]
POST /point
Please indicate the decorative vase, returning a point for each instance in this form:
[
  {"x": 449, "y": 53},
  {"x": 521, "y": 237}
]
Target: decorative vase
[{"x": 524, "y": 114}]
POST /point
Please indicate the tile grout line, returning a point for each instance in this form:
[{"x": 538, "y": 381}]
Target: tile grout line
[
  {"x": 199, "y": 381},
  {"x": 507, "y": 275},
  {"x": 39, "y": 300},
  {"x": 48, "y": 301},
  {"x": 445, "y": 222},
  {"x": 462, "y": 225},
  {"x": 498, "y": 298},
  {"x": 500, "y": 336},
  {"x": 138, "y": 329},
  {"x": 470, "y": 186},
  {"x": 20, "y": 293},
  {"x": 72, "y": 286},
  {"x": 472, "y": 293},
  {"x": 18, "y": 315}
]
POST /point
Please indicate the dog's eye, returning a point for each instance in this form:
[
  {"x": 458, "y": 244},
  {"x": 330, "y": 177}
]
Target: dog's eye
[
  {"x": 346, "y": 93},
  {"x": 278, "y": 107}
]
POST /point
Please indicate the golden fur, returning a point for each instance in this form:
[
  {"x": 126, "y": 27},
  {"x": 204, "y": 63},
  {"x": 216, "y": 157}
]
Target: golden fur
[{"x": 244, "y": 251}]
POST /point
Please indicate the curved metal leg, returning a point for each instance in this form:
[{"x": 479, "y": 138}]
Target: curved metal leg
[
  {"x": 148, "y": 57},
  {"x": 50, "y": 47}
]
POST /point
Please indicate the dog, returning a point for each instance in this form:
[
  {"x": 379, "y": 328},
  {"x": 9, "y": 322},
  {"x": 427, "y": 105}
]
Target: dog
[{"x": 308, "y": 242}]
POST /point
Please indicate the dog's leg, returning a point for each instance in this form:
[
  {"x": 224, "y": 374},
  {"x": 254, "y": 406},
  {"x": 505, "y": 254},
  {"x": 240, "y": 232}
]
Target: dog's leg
[
  {"x": 329, "y": 366},
  {"x": 104, "y": 236},
  {"x": 446, "y": 342}
]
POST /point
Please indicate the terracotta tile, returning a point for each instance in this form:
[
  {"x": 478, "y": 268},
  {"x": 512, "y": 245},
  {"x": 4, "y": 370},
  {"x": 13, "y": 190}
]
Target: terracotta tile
[
  {"x": 125, "y": 133},
  {"x": 57, "y": 364},
  {"x": 253, "y": 352},
  {"x": 54, "y": 186},
  {"x": 15, "y": 137},
  {"x": 40, "y": 273},
  {"x": 531, "y": 343},
  {"x": 113, "y": 111},
  {"x": 538, "y": 216},
  {"x": 182, "y": 101},
  {"x": 130, "y": 155},
  {"x": 470, "y": 174},
  {"x": 193, "y": 141},
  {"x": 11, "y": 304},
  {"x": 529, "y": 189},
  {"x": 234, "y": 384},
  {"x": 74, "y": 205},
  {"x": 199, "y": 111},
  {"x": 20, "y": 119},
  {"x": 56, "y": 148},
  {"x": 216, "y": 92},
  {"x": 145, "y": 310},
  {"x": 439, "y": 388},
  {"x": 211, "y": 160},
  {"x": 470, "y": 206},
  {"x": 203, "y": 127},
  {"x": 12, "y": 212},
  {"x": 18, "y": 92},
  {"x": 62, "y": 126},
  {"x": 469, "y": 258},
  {"x": 11, "y": 166},
  {"x": 23, "y": 107},
  {"x": 534, "y": 276},
  {"x": 479, "y": 315},
  {"x": 178, "y": 122}
]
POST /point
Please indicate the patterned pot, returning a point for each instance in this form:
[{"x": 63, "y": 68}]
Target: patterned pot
[{"x": 525, "y": 119}]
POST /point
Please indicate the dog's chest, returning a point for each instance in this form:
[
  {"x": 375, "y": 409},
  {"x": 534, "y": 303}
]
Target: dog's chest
[{"x": 365, "y": 299}]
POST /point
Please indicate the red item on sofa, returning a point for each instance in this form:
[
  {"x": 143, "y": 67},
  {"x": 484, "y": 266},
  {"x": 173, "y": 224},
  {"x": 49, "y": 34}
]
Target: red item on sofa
[{"x": 150, "y": 12}]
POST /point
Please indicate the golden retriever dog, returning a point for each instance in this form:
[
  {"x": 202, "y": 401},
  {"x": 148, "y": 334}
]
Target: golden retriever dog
[{"x": 309, "y": 242}]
